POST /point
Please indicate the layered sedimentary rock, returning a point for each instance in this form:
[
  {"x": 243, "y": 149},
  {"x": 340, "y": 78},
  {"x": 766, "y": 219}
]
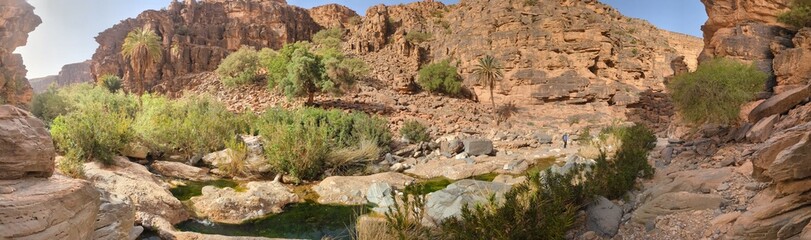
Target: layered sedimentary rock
[
  {"x": 746, "y": 30},
  {"x": 334, "y": 15},
  {"x": 197, "y": 35},
  {"x": 26, "y": 148},
  {"x": 573, "y": 51},
  {"x": 70, "y": 74},
  {"x": 33, "y": 203},
  {"x": 791, "y": 65},
  {"x": 17, "y": 19}
]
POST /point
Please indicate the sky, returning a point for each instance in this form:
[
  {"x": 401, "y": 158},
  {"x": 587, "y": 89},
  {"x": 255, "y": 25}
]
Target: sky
[{"x": 69, "y": 26}]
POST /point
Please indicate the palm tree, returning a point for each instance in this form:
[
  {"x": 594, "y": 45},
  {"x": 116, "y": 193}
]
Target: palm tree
[
  {"x": 142, "y": 47},
  {"x": 489, "y": 72}
]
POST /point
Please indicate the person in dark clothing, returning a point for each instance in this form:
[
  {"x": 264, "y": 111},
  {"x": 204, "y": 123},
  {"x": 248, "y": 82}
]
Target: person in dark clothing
[{"x": 565, "y": 140}]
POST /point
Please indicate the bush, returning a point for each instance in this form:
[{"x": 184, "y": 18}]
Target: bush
[
  {"x": 110, "y": 82},
  {"x": 414, "y": 131},
  {"x": 276, "y": 64},
  {"x": 715, "y": 92},
  {"x": 329, "y": 38},
  {"x": 188, "y": 126},
  {"x": 71, "y": 166},
  {"x": 239, "y": 67},
  {"x": 612, "y": 179},
  {"x": 92, "y": 133},
  {"x": 416, "y": 37},
  {"x": 799, "y": 15},
  {"x": 299, "y": 142},
  {"x": 49, "y": 105},
  {"x": 299, "y": 150},
  {"x": 342, "y": 70},
  {"x": 440, "y": 77}
]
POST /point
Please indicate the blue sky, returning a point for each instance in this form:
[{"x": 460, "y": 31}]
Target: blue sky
[{"x": 69, "y": 26}]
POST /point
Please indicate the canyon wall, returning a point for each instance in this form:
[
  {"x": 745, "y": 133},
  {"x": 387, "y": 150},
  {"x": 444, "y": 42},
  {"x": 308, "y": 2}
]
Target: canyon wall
[
  {"x": 197, "y": 35},
  {"x": 70, "y": 74},
  {"x": 17, "y": 19}
]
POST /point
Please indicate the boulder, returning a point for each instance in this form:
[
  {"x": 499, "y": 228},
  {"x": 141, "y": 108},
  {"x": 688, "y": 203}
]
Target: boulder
[
  {"x": 26, "y": 145},
  {"x": 226, "y": 205},
  {"x": 148, "y": 194},
  {"x": 674, "y": 202},
  {"x": 116, "y": 218},
  {"x": 542, "y": 138},
  {"x": 478, "y": 147},
  {"x": 449, "y": 202},
  {"x": 135, "y": 150},
  {"x": 352, "y": 190},
  {"x": 781, "y": 103},
  {"x": 451, "y": 147},
  {"x": 52, "y": 208},
  {"x": 768, "y": 151},
  {"x": 380, "y": 194},
  {"x": 792, "y": 166},
  {"x": 180, "y": 171},
  {"x": 603, "y": 217},
  {"x": 695, "y": 181},
  {"x": 781, "y": 218},
  {"x": 763, "y": 129},
  {"x": 460, "y": 167}
]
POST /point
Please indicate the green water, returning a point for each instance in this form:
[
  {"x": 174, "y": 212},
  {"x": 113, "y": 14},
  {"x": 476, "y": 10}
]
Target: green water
[
  {"x": 541, "y": 165},
  {"x": 428, "y": 186},
  {"x": 301, "y": 221},
  {"x": 488, "y": 177},
  {"x": 192, "y": 189}
]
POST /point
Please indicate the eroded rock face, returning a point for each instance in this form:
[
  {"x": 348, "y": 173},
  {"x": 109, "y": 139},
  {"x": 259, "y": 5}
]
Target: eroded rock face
[
  {"x": 333, "y": 15},
  {"x": 70, "y": 74},
  {"x": 585, "y": 43},
  {"x": 148, "y": 194},
  {"x": 48, "y": 208},
  {"x": 197, "y": 35},
  {"x": 17, "y": 19},
  {"x": 745, "y": 30},
  {"x": 26, "y": 148},
  {"x": 791, "y": 65},
  {"x": 227, "y": 205}
]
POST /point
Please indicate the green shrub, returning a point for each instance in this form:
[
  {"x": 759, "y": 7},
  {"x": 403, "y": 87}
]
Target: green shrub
[
  {"x": 417, "y": 37},
  {"x": 343, "y": 70},
  {"x": 187, "y": 126},
  {"x": 799, "y": 15},
  {"x": 539, "y": 208},
  {"x": 296, "y": 149},
  {"x": 110, "y": 82},
  {"x": 314, "y": 134},
  {"x": 440, "y": 77},
  {"x": 414, "y": 131},
  {"x": 715, "y": 92},
  {"x": 329, "y": 38},
  {"x": 239, "y": 67},
  {"x": 613, "y": 178},
  {"x": 92, "y": 132},
  {"x": 49, "y": 105},
  {"x": 71, "y": 166}
]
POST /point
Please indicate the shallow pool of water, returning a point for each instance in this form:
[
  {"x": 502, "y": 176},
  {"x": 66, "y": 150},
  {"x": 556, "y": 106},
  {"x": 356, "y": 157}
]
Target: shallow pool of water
[
  {"x": 191, "y": 189},
  {"x": 301, "y": 221}
]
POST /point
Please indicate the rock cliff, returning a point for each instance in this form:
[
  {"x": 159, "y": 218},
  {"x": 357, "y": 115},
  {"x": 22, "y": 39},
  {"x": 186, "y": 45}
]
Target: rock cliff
[
  {"x": 17, "y": 19},
  {"x": 570, "y": 51},
  {"x": 70, "y": 74},
  {"x": 197, "y": 35},
  {"x": 746, "y": 30}
]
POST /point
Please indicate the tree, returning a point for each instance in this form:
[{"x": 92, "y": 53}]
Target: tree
[
  {"x": 305, "y": 76},
  {"x": 109, "y": 82},
  {"x": 488, "y": 72},
  {"x": 141, "y": 47}
]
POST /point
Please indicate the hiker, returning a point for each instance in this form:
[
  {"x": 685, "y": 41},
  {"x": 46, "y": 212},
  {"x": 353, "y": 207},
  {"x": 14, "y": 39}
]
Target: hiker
[{"x": 565, "y": 140}]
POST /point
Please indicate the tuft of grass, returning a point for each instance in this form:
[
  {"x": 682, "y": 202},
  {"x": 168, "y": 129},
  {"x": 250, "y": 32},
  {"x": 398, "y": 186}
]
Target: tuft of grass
[
  {"x": 715, "y": 92},
  {"x": 347, "y": 160},
  {"x": 417, "y": 37},
  {"x": 238, "y": 153}
]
